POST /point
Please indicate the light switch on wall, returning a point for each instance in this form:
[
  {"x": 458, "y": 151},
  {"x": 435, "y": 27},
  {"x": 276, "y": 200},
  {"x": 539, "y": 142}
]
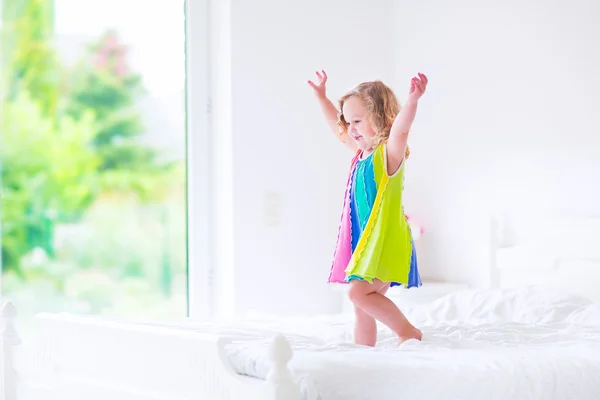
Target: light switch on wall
[{"x": 272, "y": 209}]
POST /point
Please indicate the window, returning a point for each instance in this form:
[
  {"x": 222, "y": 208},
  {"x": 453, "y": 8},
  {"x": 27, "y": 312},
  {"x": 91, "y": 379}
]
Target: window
[{"x": 96, "y": 175}]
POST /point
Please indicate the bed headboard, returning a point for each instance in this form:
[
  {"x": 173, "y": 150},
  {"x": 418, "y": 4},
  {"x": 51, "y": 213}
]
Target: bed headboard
[{"x": 556, "y": 253}]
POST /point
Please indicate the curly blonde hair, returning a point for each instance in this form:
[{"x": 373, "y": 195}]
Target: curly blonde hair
[{"x": 382, "y": 105}]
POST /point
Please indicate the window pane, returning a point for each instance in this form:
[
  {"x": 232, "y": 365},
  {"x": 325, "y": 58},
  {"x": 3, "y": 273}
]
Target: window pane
[{"x": 93, "y": 151}]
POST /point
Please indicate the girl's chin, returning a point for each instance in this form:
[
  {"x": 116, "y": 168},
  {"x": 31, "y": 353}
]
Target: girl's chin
[{"x": 364, "y": 146}]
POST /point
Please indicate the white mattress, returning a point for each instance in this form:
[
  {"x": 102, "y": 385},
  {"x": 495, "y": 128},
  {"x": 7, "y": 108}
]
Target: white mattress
[{"x": 511, "y": 344}]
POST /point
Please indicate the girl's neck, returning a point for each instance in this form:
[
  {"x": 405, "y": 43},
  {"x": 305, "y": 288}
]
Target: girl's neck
[{"x": 366, "y": 153}]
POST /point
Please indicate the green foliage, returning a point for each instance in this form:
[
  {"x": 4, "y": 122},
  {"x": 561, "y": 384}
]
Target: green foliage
[
  {"x": 92, "y": 221},
  {"x": 66, "y": 136},
  {"x": 104, "y": 83},
  {"x": 49, "y": 174},
  {"x": 32, "y": 64}
]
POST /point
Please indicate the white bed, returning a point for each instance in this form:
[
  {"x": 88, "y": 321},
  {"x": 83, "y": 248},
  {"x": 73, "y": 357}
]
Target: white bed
[{"x": 506, "y": 342}]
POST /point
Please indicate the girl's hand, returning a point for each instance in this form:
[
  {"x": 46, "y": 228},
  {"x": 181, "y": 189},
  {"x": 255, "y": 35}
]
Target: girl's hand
[
  {"x": 319, "y": 87},
  {"x": 418, "y": 84},
  {"x": 397, "y": 141}
]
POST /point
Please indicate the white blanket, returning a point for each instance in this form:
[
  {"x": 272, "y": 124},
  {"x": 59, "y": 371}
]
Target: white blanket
[{"x": 510, "y": 344}]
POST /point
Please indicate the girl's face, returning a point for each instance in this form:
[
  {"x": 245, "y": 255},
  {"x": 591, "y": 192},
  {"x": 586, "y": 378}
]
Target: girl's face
[{"x": 359, "y": 126}]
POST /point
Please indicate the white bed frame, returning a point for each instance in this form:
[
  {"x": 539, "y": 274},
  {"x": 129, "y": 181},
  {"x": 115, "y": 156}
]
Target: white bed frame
[{"x": 76, "y": 358}]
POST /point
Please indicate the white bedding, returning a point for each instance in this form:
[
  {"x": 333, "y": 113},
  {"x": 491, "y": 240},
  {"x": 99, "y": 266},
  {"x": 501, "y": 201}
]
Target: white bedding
[{"x": 509, "y": 344}]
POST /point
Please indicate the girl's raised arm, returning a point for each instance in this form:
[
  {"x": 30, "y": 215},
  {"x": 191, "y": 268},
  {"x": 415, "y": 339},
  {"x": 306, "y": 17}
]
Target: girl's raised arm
[
  {"x": 396, "y": 144},
  {"x": 330, "y": 111}
]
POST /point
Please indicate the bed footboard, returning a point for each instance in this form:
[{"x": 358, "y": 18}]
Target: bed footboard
[
  {"x": 9, "y": 340},
  {"x": 74, "y": 358}
]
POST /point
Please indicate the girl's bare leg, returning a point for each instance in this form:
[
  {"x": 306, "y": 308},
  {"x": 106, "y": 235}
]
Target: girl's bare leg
[
  {"x": 366, "y": 296},
  {"x": 365, "y": 327}
]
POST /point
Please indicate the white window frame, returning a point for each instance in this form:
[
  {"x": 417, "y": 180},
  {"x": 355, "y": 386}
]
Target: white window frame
[{"x": 199, "y": 161}]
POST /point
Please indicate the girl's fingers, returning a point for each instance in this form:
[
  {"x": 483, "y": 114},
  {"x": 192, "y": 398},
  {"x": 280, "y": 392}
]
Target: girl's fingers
[
  {"x": 319, "y": 76},
  {"x": 419, "y": 84},
  {"x": 415, "y": 84},
  {"x": 423, "y": 78},
  {"x": 324, "y": 74},
  {"x": 312, "y": 85}
]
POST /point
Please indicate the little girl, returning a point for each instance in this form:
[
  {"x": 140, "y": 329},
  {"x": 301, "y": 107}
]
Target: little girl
[{"x": 374, "y": 249}]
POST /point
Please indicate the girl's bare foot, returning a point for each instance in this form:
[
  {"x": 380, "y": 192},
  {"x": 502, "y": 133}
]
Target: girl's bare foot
[{"x": 413, "y": 333}]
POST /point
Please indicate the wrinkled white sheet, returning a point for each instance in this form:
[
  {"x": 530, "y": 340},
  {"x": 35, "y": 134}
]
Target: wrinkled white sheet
[{"x": 503, "y": 344}]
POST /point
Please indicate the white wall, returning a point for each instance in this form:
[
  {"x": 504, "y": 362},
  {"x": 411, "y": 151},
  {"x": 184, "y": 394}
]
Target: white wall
[
  {"x": 510, "y": 121},
  {"x": 287, "y": 180},
  {"x": 508, "y": 124}
]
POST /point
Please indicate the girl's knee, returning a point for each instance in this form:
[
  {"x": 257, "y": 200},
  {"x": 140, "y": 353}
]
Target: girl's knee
[{"x": 357, "y": 292}]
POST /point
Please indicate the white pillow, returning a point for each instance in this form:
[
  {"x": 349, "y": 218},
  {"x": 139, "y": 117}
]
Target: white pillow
[{"x": 527, "y": 305}]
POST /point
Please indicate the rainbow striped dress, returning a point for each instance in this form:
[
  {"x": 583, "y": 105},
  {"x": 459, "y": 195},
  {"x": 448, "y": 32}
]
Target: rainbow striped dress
[{"x": 374, "y": 239}]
